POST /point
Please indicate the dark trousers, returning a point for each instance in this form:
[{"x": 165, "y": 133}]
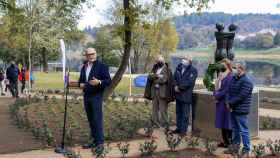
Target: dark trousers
[
  {"x": 93, "y": 108},
  {"x": 227, "y": 136},
  {"x": 182, "y": 116},
  {"x": 14, "y": 88},
  {"x": 22, "y": 86}
]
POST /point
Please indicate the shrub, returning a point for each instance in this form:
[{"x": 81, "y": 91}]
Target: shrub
[
  {"x": 259, "y": 150},
  {"x": 173, "y": 141},
  {"x": 210, "y": 146},
  {"x": 193, "y": 142},
  {"x": 124, "y": 148},
  {"x": 149, "y": 129},
  {"x": 148, "y": 147},
  {"x": 274, "y": 147}
]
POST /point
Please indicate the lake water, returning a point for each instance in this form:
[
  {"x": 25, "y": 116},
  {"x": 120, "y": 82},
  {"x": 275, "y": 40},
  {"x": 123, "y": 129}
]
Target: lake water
[{"x": 262, "y": 73}]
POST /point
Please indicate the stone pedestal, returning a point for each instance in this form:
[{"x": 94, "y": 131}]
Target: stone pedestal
[{"x": 204, "y": 122}]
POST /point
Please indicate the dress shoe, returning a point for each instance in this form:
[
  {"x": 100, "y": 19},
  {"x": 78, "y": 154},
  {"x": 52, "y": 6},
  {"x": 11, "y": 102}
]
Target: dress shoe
[{"x": 88, "y": 146}]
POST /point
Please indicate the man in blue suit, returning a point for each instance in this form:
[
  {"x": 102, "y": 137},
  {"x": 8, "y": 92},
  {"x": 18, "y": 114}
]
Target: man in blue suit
[
  {"x": 184, "y": 81},
  {"x": 94, "y": 78}
]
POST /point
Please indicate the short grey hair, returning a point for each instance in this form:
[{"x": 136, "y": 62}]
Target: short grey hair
[
  {"x": 242, "y": 64},
  {"x": 160, "y": 58},
  {"x": 90, "y": 50},
  {"x": 188, "y": 56}
]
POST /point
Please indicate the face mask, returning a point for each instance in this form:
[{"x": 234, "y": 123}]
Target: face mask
[
  {"x": 185, "y": 62},
  {"x": 160, "y": 63},
  {"x": 235, "y": 72}
]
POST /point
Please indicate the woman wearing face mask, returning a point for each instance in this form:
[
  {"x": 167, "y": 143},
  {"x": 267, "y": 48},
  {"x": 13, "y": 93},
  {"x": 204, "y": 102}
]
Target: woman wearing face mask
[{"x": 222, "y": 111}]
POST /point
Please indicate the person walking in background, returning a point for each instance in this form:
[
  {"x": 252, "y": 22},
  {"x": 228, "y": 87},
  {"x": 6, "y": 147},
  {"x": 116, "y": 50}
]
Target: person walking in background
[
  {"x": 184, "y": 81},
  {"x": 223, "y": 118},
  {"x": 12, "y": 75},
  {"x": 94, "y": 78},
  {"x": 159, "y": 91},
  {"x": 22, "y": 78},
  {"x": 2, "y": 78},
  {"x": 239, "y": 101}
]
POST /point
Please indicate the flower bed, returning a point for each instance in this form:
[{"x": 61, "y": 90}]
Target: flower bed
[{"x": 44, "y": 118}]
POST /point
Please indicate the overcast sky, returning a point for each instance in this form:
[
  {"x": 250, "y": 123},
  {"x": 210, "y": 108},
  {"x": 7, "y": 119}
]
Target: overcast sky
[{"x": 94, "y": 17}]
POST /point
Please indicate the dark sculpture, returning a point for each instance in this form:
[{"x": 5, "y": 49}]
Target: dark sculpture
[
  {"x": 224, "y": 50},
  {"x": 224, "y": 42}
]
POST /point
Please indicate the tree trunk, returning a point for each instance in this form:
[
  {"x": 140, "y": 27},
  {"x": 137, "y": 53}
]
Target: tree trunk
[
  {"x": 135, "y": 62},
  {"x": 45, "y": 60},
  {"x": 125, "y": 58},
  {"x": 147, "y": 61}
]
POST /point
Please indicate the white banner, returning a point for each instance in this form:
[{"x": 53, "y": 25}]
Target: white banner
[{"x": 62, "y": 48}]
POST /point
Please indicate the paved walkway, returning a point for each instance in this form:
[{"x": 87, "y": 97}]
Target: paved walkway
[
  {"x": 134, "y": 146},
  {"x": 13, "y": 139}
]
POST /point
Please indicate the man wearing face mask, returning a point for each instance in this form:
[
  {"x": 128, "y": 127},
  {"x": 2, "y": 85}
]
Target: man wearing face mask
[
  {"x": 184, "y": 81},
  {"x": 239, "y": 100},
  {"x": 94, "y": 78},
  {"x": 159, "y": 91},
  {"x": 12, "y": 75}
]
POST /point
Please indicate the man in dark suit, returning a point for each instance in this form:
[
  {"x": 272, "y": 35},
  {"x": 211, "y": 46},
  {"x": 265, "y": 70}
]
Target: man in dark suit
[
  {"x": 94, "y": 78},
  {"x": 184, "y": 81}
]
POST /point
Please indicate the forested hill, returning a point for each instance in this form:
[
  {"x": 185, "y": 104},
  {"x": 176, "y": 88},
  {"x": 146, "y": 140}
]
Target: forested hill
[
  {"x": 255, "y": 31},
  {"x": 247, "y": 23}
]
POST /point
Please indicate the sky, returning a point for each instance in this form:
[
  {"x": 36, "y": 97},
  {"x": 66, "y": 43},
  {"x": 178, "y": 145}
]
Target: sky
[{"x": 95, "y": 16}]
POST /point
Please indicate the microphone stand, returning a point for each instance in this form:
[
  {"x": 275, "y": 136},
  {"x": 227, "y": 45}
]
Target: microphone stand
[{"x": 61, "y": 149}]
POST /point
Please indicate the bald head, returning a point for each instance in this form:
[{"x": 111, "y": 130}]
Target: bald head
[
  {"x": 188, "y": 57},
  {"x": 160, "y": 58},
  {"x": 187, "y": 60}
]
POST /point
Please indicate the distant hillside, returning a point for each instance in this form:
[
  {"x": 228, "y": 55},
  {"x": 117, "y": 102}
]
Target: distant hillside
[
  {"x": 197, "y": 30},
  {"x": 247, "y": 23}
]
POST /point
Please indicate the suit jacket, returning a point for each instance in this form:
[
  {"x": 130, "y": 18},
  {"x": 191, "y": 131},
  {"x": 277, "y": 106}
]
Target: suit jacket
[
  {"x": 185, "y": 82},
  {"x": 99, "y": 71},
  {"x": 164, "y": 84}
]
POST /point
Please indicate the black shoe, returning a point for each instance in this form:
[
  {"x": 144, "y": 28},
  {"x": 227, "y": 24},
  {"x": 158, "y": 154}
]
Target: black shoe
[
  {"x": 222, "y": 145},
  {"x": 233, "y": 149},
  {"x": 99, "y": 149},
  {"x": 176, "y": 131},
  {"x": 88, "y": 146},
  {"x": 245, "y": 154}
]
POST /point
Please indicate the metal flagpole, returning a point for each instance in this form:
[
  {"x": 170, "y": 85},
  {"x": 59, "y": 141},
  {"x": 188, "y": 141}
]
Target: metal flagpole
[
  {"x": 130, "y": 78},
  {"x": 66, "y": 78}
]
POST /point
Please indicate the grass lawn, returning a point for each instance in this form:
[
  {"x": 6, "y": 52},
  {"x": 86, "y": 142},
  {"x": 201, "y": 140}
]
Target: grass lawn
[{"x": 53, "y": 80}]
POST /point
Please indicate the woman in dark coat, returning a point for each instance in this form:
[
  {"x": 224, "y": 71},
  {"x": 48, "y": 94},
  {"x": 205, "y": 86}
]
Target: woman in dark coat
[{"x": 222, "y": 111}]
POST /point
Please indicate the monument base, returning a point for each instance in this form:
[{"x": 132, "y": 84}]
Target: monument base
[{"x": 204, "y": 122}]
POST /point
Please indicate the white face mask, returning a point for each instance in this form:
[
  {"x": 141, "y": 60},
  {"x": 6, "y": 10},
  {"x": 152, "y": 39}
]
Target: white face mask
[
  {"x": 185, "y": 62},
  {"x": 235, "y": 72}
]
